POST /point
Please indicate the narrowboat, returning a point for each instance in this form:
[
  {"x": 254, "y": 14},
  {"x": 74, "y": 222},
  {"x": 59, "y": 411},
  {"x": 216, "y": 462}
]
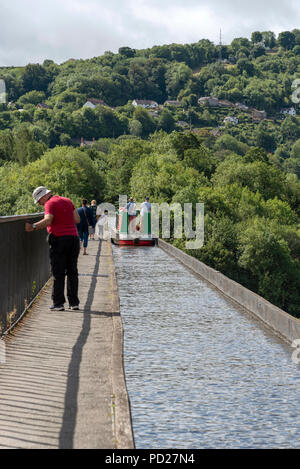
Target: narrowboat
[{"x": 133, "y": 230}]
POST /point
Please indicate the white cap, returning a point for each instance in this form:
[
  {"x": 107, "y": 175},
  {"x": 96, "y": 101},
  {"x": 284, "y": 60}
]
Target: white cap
[{"x": 39, "y": 192}]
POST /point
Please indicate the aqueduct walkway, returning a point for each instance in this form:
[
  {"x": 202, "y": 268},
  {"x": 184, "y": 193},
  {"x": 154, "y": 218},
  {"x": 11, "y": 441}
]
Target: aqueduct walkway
[{"x": 63, "y": 384}]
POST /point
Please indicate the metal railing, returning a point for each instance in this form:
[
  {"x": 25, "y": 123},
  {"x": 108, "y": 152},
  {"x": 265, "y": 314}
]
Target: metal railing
[{"x": 24, "y": 267}]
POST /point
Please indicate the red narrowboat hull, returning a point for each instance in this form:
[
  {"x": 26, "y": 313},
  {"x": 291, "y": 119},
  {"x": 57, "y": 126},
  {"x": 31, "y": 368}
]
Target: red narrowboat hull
[{"x": 133, "y": 242}]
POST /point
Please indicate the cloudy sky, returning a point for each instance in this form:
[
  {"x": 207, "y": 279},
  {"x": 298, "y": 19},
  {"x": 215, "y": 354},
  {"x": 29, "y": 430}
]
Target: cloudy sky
[{"x": 34, "y": 30}]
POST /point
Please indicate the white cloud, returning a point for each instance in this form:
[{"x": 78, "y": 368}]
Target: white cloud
[{"x": 34, "y": 30}]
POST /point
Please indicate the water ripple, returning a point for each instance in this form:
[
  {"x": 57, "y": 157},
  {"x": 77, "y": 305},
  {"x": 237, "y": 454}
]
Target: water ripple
[{"x": 200, "y": 372}]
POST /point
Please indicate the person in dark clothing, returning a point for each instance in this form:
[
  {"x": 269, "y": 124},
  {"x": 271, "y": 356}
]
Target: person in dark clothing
[
  {"x": 93, "y": 208},
  {"x": 60, "y": 219},
  {"x": 86, "y": 220}
]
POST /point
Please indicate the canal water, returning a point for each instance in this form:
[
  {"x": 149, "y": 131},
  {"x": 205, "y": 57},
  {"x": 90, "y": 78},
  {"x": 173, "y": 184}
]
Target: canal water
[{"x": 200, "y": 372}]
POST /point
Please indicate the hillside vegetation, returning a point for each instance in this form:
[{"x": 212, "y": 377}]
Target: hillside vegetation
[{"x": 242, "y": 163}]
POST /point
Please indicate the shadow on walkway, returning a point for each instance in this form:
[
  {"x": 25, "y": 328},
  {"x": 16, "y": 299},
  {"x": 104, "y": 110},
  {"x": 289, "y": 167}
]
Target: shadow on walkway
[{"x": 66, "y": 437}]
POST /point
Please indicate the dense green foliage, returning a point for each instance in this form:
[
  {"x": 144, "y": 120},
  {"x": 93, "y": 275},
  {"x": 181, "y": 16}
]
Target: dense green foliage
[{"x": 247, "y": 174}]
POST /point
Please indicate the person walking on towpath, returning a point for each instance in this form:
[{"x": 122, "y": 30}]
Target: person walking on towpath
[
  {"x": 86, "y": 221},
  {"x": 60, "y": 219},
  {"x": 93, "y": 209}
]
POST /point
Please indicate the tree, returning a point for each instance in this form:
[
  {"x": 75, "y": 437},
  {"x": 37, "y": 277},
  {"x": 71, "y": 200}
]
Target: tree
[
  {"x": 279, "y": 211},
  {"x": 295, "y": 153},
  {"x": 245, "y": 65},
  {"x": 12, "y": 187},
  {"x": 177, "y": 76},
  {"x": 135, "y": 127},
  {"x": 256, "y": 37},
  {"x": 265, "y": 94},
  {"x": 261, "y": 246},
  {"x": 290, "y": 128},
  {"x": 265, "y": 139},
  {"x": 296, "y": 33},
  {"x": 200, "y": 159},
  {"x": 189, "y": 100},
  {"x": 145, "y": 119},
  {"x": 256, "y": 154},
  {"x": 32, "y": 97},
  {"x": 182, "y": 142},
  {"x": 6, "y": 144},
  {"x": 269, "y": 39},
  {"x": 127, "y": 52},
  {"x": 65, "y": 139},
  {"x": 258, "y": 51},
  {"x": 220, "y": 247},
  {"x": 67, "y": 171},
  {"x": 35, "y": 78},
  {"x": 292, "y": 165},
  {"x": 296, "y": 50},
  {"x": 22, "y": 136},
  {"x": 70, "y": 97},
  {"x": 257, "y": 176},
  {"x": 5, "y": 120},
  {"x": 240, "y": 44},
  {"x": 166, "y": 121},
  {"x": 121, "y": 160},
  {"x": 35, "y": 150},
  {"x": 228, "y": 142},
  {"x": 287, "y": 40},
  {"x": 109, "y": 123}
]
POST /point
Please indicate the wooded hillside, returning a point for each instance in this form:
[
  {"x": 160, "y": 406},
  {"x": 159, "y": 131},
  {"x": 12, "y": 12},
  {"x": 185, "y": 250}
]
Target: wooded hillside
[{"x": 136, "y": 123}]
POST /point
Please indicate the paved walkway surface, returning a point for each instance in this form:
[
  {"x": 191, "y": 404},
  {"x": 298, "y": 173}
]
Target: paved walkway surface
[{"x": 63, "y": 384}]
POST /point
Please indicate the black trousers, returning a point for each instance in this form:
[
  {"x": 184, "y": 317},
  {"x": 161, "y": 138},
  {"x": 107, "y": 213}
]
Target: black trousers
[{"x": 64, "y": 251}]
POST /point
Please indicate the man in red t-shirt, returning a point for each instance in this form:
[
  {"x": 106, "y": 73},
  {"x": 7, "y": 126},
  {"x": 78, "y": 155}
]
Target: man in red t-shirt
[{"x": 60, "y": 219}]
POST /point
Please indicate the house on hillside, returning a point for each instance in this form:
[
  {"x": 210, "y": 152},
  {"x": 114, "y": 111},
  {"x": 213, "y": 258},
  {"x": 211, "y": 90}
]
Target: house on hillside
[
  {"x": 183, "y": 124},
  {"x": 213, "y": 102},
  {"x": 93, "y": 102},
  {"x": 225, "y": 103},
  {"x": 241, "y": 106},
  {"x": 145, "y": 103},
  {"x": 258, "y": 115},
  {"x": 43, "y": 106},
  {"x": 288, "y": 111},
  {"x": 215, "y": 132},
  {"x": 171, "y": 102},
  {"x": 231, "y": 120}
]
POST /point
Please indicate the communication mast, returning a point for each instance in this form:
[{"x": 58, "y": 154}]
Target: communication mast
[{"x": 220, "y": 46}]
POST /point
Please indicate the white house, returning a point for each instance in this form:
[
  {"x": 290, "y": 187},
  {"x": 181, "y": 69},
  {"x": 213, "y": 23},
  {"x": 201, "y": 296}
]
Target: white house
[
  {"x": 231, "y": 120},
  {"x": 145, "y": 103},
  {"x": 93, "y": 102},
  {"x": 289, "y": 111}
]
